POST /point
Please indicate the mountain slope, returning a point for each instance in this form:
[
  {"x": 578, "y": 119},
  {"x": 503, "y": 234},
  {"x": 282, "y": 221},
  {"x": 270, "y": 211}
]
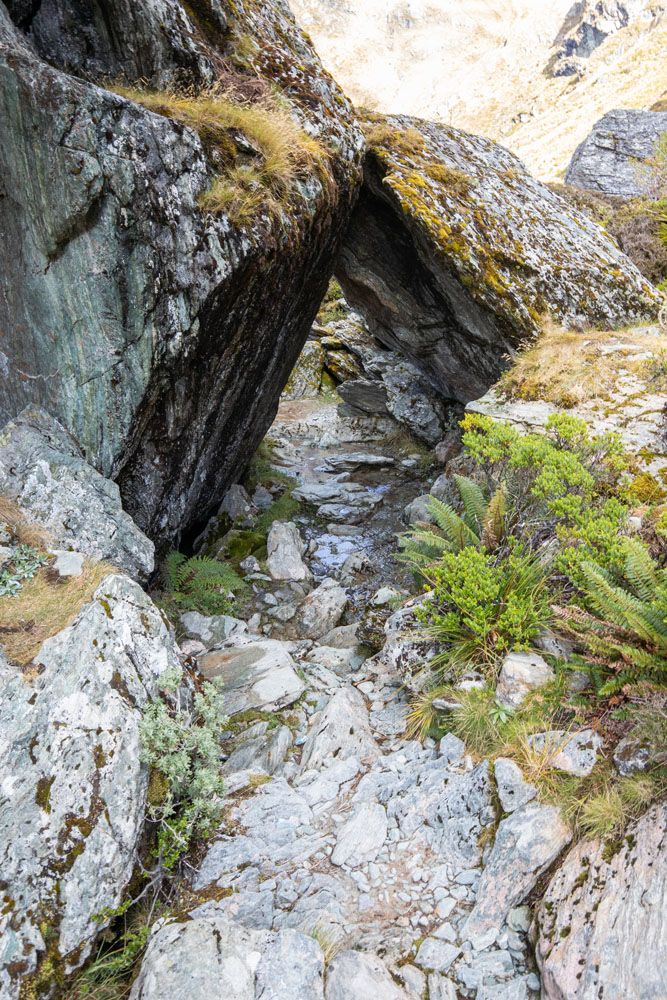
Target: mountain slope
[{"x": 481, "y": 65}]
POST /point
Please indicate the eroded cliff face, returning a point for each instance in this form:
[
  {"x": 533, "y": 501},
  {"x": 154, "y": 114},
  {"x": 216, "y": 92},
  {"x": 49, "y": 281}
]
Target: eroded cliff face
[
  {"x": 455, "y": 254},
  {"x": 159, "y": 334}
]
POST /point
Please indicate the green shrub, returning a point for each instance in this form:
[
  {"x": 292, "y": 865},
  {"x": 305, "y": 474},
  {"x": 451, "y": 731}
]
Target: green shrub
[
  {"x": 484, "y": 607},
  {"x": 183, "y": 746},
  {"x": 198, "y": 583}
]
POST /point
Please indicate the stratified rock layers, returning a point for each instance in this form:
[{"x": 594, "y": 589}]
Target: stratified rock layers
[
  {"x": 159, "y": 335},
  {"x": 455, "y": 253}
]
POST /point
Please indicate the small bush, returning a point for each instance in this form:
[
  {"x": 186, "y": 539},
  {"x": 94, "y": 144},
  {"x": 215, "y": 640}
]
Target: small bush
[
  {"x": 183, "y": 746},
  {"x": 483, "y": 608}
]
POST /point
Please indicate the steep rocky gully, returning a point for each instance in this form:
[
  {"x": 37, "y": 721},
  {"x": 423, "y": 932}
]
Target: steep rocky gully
[{"x": 362, "y": 817}]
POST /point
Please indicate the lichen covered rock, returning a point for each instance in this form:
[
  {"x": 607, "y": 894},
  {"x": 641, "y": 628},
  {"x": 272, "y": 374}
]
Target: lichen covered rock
[
  {"x": 160, "y": 335},
  {"x": 602, "y": 923},
  {"x": 609, "y": 160},
  {"x": 455, "y": 253},
  {"x": 41, "y": 467},
  {"x": 72, "y": 788}
]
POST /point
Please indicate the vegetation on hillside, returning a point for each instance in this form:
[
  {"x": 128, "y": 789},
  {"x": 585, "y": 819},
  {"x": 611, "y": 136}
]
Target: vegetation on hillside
[{"x": 541, "y": 542}]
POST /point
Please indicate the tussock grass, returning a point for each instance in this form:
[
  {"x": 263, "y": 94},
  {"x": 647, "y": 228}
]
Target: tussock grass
[
  {"x": 600, "y": 805},
  {"x": 23, "y": 531},
  {"x": 43, "y": 607},
  {"x": 567, "y": 368},
  {"x": 258, "y": 146}
]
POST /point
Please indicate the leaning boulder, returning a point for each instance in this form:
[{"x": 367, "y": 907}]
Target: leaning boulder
[
  {"x": 73, "y": 790},
  {"x": 601, "y": 927},
  {"x": 609, "y": 160},
  {"x": 43, "y": 469},
  {"x": 455, "y": 253},
  {"x": 158, "y": 333}
]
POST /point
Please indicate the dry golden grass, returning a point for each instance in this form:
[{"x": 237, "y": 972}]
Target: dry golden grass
[
  {"x": 45, "y": 605},
  {"x": 567, "y": 368},
  {"x": 284, "y": 150},
  {"x": 23, "y": 531}
]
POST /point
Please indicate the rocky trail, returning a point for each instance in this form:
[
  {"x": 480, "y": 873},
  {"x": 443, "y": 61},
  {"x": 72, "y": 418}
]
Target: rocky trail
[{"x": 345, "y": 841}]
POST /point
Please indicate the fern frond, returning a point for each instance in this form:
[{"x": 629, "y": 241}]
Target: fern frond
[
  {"x": 494, "y": 519},
  {"x": 621, "y": 607},
  {"x": 474, "y": 503},
  {"x": 172, "y": 570},
  {"x": 640, "y": 570},
  {"x": 453, "y": 526}
]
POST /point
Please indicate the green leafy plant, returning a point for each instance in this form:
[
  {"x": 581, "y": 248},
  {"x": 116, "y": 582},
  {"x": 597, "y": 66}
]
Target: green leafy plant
[
  {"x": 108, "y": 975},
  {"x": 182, "y": 743},
  {"x": 199, "y": 583},
  {"x": 481, "y": 524},
  {"x": 484, "y": 607},
  {"x": 23, "y": 565},
  {"x": 623, "y": 623}
]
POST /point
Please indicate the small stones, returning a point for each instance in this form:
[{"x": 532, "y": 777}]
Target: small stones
[{"x": 520, "y": 674}]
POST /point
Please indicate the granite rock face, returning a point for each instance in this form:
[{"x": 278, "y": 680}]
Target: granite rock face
[
  {"x": 603, "y": 921},
  {"x": 73, "y": 791},
  {"x": 42, "y": 468},
  {"x": 455, "y": 253},
  {"x": 609, "y": 160},
  {"x": 159, "y": 335}
]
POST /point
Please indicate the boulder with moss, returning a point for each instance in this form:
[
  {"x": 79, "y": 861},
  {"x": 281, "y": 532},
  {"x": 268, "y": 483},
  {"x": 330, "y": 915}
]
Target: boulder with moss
[
  {"x": 455, "y": 253},
  {"x": 166, "y": 250},
  {"x": 73, "y": 791}
]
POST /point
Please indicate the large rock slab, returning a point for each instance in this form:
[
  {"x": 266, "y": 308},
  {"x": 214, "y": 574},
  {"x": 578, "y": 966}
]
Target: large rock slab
[
  {"x": 455, "y": 253},
  {"x": 353, "y": 975},
  {"x": 158, "y": 334},
  {"x": 257, "y": 673},
  {"x": 72, "y": 788},
  {"x": 209, "y": 957},
  {"x": 601, "y": 927},
  {"x": 609, "y": 160},
  {"x": 43, "y": 469},
  {"x": 526, "y": 843}
]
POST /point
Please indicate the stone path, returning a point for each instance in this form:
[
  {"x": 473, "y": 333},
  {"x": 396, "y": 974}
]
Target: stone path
[{"x": 355, "y": 862}]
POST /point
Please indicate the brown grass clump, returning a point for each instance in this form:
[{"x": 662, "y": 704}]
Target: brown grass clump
[
  {"x": 43, "y": 607},
  {"x": 23, "y": 531},
  {"x": 257, "y": 147},
  {"x": 567, "y": 368}
]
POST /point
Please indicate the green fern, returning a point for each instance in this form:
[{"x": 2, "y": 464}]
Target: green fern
[
  {"x": 623, "y": 624},
  {"x": 199, "y": 583},
  {"x": 482, "y": 525}
]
